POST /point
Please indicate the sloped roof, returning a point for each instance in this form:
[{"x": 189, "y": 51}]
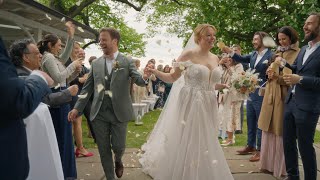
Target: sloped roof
[{"x": 28, "y": 18}]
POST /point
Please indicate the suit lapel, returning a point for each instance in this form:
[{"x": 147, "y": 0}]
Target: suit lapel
[
  {"x": 264, "y": 57},
  {"x": 114, "y": 72},
  {"x": 102, "y": 69},
  {"x": 310, "y": 58},
  {"x": 253, "y": 60}
]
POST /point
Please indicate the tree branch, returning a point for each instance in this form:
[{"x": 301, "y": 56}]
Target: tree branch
[
  {"x": 89, "y": 43},
  {"x": 132, "y": 5},
  {"x": 76, "y": 10}
]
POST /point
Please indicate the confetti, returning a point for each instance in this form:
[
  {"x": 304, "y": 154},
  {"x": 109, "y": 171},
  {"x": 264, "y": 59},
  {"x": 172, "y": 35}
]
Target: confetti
[
  {"x": 47, "y": 16},
  {"x": 82, "y": 96},
  {"x": 214, "y": 162},
  {"x": 109, "y": 93},
  {"x": 241, "y": 165},
  {"x": 137, "y": 135},
  {"x": 106, "y": 78},
  {"x": 63, "y": 19},
  {"x": 158, "y": 42},
  {"x": 100, "y": 87},
  {"x": 183, "y": 122},
  {"x": 80, "y": 29},
  {"x": 268, "y": 42},
  {"x": 250, "y": 172},
  {"x": 57, "y": 86},
  {"x": 206, "y": 152},
  {"x": 182, "y": 67},
  {"x": 78, "y": 3}
]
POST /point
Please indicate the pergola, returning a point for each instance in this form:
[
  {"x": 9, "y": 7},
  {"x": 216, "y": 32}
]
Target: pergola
[{"x": 29, "y": 19}]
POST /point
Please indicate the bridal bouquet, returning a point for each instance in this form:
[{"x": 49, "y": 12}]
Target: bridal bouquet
[{"x": 245, "y": 82}]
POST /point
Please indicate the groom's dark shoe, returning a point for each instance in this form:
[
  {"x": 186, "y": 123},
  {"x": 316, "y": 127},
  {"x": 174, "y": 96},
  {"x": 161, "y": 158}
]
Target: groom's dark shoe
[{"x": 119, "y": 169}]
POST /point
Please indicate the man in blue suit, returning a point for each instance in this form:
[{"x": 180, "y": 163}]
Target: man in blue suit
[
  {"x": 19, "y": 98},
  {"x": 256, "y": 60},
  {"x": 303, "y": 104}
]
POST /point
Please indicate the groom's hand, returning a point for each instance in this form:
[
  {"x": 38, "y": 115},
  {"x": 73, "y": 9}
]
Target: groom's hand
[{"x": 73, "y": 114}]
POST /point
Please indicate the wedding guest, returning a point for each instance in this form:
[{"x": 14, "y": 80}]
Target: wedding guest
[
  {"x": 271, "y": 115},
  {"x": 78, "y": 54},
  {"x": 237, "y": 49},
  {"x": 159, "y": 89},
  {"x": 302, "y": 103},
  {"x": 167, "y": 85},
  {"x": 232, "y": 102},
  {"x": 19, "y": 98},
  {"x": 53, "y": 64},
  {"x": 256, "y": 59},
  {"x": 42, "y": 150}
]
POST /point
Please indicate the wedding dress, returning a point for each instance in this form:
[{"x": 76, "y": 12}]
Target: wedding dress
[{"x": 184, "y": 143}]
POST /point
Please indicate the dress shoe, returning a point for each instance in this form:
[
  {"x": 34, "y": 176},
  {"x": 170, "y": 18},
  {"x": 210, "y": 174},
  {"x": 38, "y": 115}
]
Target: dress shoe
[
  {"x": 255, "y": 157},
  {"x": 78, "y": 153},
  {"x": 246, "y": 150},
  {"x": 119, "y": 169}
]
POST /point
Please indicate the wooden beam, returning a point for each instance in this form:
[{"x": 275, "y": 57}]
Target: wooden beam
[{"x": 30, "y": 23}]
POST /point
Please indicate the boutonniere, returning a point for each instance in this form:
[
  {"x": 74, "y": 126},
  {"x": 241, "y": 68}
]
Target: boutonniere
[{"x": 116, "y": 66}]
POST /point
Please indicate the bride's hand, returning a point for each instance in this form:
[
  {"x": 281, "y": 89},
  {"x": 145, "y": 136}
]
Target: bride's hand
[{"x": 221, "y": 86}]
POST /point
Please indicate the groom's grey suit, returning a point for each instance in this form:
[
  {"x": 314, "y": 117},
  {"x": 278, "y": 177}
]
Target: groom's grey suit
[{"x": 110, "y": 115}]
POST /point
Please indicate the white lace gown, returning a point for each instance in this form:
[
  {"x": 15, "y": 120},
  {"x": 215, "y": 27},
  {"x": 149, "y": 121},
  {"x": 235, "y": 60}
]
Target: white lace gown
[{"x": 184, "y": 143}]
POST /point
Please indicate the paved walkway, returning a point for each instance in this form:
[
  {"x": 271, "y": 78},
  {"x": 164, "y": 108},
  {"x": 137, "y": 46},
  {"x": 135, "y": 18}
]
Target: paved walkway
[{"x": 91, "y": 169}]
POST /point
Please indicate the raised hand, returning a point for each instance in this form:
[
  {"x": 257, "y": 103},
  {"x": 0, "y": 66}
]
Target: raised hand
[{"x": 70, "y": 28}]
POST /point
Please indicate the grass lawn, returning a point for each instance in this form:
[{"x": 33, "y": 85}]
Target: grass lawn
[{"x": 137, "y": 135}]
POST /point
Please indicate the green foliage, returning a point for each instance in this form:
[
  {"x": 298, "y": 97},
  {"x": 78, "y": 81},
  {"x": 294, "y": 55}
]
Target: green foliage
[
  {"x": 236, "y": 20},
  {"x": 102, "y": 14}
]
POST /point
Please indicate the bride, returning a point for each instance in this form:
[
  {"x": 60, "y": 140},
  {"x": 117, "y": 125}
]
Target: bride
[{"x": 184, "y": 143}]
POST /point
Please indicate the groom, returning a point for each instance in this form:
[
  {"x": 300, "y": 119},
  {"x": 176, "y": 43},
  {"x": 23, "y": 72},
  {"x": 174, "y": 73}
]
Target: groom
[{"x": 108, "y": 83}]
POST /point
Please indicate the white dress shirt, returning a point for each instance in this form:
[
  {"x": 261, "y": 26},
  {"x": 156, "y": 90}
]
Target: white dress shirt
[
  {"x": 259, "y": 57},
  {"x": 109, "y": 62},
  {"x": 309, "y": 50}
]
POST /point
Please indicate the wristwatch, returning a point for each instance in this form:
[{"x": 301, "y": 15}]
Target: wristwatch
[{"x": 301, "y": 78}]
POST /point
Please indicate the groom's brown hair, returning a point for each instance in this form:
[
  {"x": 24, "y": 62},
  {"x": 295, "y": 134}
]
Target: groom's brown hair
[{"x": 113, "y": 33}]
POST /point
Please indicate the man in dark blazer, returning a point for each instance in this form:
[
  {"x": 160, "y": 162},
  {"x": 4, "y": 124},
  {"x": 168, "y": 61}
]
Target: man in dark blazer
[
  {"x": 30, "y": 60},
  {"x": 303, "y": 104},
  {"x": 256, "y": 60},
  {"x": 19, "y": 98}
]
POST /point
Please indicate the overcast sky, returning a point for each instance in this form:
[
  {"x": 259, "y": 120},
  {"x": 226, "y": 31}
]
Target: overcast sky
[{"x": 164, "y": 46}]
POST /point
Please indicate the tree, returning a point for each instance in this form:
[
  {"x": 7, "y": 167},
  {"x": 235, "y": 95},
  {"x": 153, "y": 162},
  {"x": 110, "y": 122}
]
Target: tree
[
  {"x": 236, "y": 20},
  {"x": 99, "y": 13}
]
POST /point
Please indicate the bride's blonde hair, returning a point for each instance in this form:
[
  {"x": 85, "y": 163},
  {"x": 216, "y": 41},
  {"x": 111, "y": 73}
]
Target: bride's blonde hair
[{"x": 200, "y": 30}]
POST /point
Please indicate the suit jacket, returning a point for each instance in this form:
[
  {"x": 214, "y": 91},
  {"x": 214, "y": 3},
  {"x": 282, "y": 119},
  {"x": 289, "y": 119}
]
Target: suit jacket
[
  {"x": 19, "y": 98},
  {"x": 121, "y": 100},
  {"x": 307, "y": 94},
  {"x": 261, "y": 68},
  {"x": 52, "y": 99}
]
